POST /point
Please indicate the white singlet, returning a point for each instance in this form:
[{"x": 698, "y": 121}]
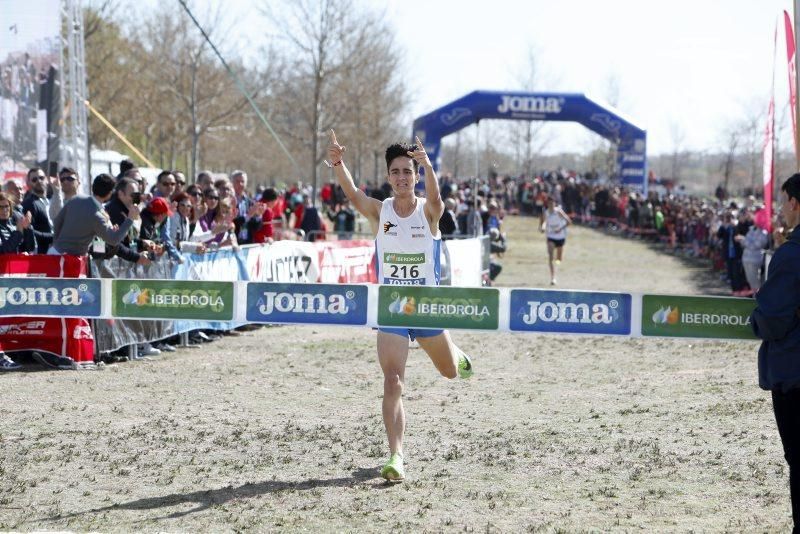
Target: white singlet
[
  {"x": 555, "y": 225},
  {"x": 406, "y": 252}
]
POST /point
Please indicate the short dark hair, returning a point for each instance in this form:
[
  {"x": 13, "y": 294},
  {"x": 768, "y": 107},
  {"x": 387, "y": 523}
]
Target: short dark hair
[
  {"x": 163, "y": 174},
  {"x": 269, "y": 195},
  {"x": 400, "y": 149},
  {"x": 103, "y": 185},
  {"x": 792, "y": 186},
  {"x": 123, "y": 184},
  {"x": 130, "y": 172},
  {"x": 126, "y": 165},
  {"x": 67, "y": 170},
  {"x": 33, "y": 170}
]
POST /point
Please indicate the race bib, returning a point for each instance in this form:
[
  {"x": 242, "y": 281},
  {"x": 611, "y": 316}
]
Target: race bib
[{"x": 404, "y": 269}]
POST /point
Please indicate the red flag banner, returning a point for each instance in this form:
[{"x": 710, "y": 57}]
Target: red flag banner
[{"x": 791, "y": 56}]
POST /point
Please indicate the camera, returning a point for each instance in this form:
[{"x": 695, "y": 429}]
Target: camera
[{"x": 136, "y": 197}]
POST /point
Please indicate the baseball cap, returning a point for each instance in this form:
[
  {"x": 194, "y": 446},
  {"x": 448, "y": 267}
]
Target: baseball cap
[{"x": 159, "y": 206}]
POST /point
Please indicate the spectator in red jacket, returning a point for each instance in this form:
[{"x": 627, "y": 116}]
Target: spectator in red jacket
[{"x": 266, "y": 234}]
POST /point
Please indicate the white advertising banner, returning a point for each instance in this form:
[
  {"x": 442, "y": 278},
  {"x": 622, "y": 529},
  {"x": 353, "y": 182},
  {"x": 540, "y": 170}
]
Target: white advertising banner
[{"x": 465, "y": 262}]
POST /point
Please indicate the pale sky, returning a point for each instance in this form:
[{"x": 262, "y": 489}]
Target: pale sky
[
  {"x": 694, "y": 64},
  {"x": 684, "y": 69}
]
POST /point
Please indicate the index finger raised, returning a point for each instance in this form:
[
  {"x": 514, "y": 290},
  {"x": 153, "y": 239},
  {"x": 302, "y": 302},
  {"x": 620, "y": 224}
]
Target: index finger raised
[
  {"x": 419, "y": 143},
  {"x": 333, "y": 137}
]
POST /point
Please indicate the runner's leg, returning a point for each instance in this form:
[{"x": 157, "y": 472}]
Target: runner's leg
[
  {"x": 550, "y": 248},
  {"x": 560, "y": 252},
  {"x": 442, "y": 352},
  {"x": 392, "y": 355}
]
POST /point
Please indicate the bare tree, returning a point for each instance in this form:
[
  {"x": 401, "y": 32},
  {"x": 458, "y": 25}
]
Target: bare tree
[
  {"x": 332, "y": 43},
  {"x": 732, "y": 143},
  {"x": 190, "y": 80},
  {"x": 752, "y": 139},
  {"x": 530, "y": 138},
  {"x": 677, "y": 157},
  {"x": 110, "y": 57}
]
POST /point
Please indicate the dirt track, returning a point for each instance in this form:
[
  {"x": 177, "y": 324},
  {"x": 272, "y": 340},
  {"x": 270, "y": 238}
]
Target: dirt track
[{"x": 280, "y": 429}]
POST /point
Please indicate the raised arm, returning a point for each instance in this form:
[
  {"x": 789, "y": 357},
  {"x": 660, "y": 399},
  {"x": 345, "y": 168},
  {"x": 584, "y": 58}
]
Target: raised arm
[
  {"x": 368, "y": 207},
  {"x": 434, "y": 206},
  {"x": 567, "y": 220}
]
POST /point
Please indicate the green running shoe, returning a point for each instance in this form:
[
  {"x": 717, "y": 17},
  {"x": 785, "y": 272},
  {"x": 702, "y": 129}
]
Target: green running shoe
[
  {"x": 465, "y": 366},
  {"x": 393, "y": 470}
]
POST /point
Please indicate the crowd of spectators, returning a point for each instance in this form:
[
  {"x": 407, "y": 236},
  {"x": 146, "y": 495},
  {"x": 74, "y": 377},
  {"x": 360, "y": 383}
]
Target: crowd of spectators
[
  {"x": 731, "y": 235},
  {"x": 124, "y": 218}
]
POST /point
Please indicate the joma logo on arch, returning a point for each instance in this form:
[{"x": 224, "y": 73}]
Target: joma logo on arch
[{"x": 530, "y": 104}]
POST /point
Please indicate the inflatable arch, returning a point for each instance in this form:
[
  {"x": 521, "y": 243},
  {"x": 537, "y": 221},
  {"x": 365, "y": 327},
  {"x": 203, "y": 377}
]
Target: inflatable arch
[{"x": 631, "y": 140}]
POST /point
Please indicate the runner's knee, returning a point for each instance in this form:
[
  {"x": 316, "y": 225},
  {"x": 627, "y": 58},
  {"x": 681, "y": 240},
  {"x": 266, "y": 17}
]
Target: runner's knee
[
  {"x": 449, "y": 372},
  {"x": 393, "y": 384}
]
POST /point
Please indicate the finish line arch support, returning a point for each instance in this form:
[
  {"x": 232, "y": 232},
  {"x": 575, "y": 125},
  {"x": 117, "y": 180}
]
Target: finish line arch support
[{"x": 631, "y": 140}]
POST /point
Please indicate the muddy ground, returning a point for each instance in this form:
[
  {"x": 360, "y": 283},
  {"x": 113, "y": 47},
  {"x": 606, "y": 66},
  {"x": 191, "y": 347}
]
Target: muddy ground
[{"x": 280, "y": 429}]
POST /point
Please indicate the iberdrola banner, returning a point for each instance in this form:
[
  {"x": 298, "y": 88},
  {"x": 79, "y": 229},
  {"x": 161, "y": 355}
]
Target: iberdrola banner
[{"x": 543, "y": 311}]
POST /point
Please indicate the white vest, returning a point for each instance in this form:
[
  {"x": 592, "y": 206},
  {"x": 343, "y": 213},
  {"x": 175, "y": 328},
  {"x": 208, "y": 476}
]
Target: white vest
[
  {"x": 555, "y": 225},
  {"x": 406, "y": 252}
]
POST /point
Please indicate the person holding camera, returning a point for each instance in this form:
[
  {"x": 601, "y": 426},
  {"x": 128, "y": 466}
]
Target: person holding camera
[
  {"x": 126, "y": 195},
  {"x": 83, "y": 218}
]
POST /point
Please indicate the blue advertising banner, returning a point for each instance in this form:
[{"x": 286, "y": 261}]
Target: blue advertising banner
[
  {"x": 307, "y": 303},
  {"x": 50, "y": 297},
  {"x": 572, "y": 312}
]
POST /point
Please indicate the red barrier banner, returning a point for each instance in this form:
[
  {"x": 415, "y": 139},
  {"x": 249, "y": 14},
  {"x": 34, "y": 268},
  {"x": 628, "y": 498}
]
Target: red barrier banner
[
  {"x": 40, "y": 265},
  {"x": 69, "y": 337},
  {"x": 347, "y": 262}
]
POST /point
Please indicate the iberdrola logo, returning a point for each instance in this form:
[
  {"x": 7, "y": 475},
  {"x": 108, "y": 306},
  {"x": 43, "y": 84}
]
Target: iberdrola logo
[
  {"x": 666, "y": 315},
  {"x": 136, "y": 296},
  {"x": 174, "y": 298},
  {"x": 402, "y": 306}
]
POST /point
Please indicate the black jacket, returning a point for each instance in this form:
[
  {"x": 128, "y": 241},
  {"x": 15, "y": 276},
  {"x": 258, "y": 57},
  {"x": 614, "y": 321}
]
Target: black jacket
[
  {"x": 776, "y": 319},
  {"x": 118, "y": 212},
  {"x": 40, "y": 221},
  {"x": 251, "y": 225},
  {"x": 447, "y": 224},
  {"x": 13, "y": 241},
  {"x": 149, "y": 229}
]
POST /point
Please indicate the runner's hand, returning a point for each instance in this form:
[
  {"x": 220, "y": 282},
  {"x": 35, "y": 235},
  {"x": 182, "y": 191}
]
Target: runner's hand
[
  {"x": 335, "y": 150},
  {"x": 420, "y": 155}
]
